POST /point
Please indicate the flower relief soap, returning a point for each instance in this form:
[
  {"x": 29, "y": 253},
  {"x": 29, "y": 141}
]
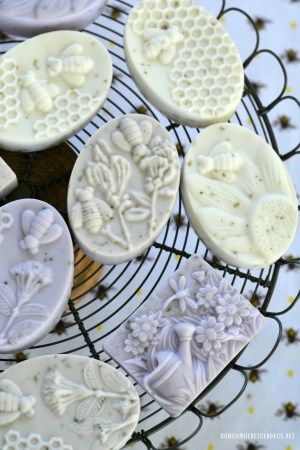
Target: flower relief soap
[
  {"x": 49, "y": 96},
  {"x": 180, "y": 47},
  {"x": 64, "y": 402},
  {"x": 30, "y": 17},
  {"x": 36, "y": 272},
  {"x": 8, "y": 179},
  {"x": 239, "y": 196},
  {"x": 184, "y": 335},
  {"x": 122, "y": 188}
]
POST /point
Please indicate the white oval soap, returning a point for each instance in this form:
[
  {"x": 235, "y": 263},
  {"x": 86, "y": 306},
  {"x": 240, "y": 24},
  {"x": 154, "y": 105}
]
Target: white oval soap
[
  {"x": 239, "y": 196},
  {"x": 122, "y": 188},
  {"x": 51, "y": 86},
  {"x": 36, "y": 272},
  {"x": 64, "y": 402},
  {"x": 183, "y": 61},
  {"x": 30, "y": 17}
]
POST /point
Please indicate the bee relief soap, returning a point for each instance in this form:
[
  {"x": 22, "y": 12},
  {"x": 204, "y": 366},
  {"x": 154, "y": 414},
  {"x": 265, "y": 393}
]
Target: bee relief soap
[
  {"x": 53, "y": 85},
  {"x": 122, "y": 188},
  {"x": 37, "y": 276},
  {"x": 66, "y": 402},
  {"x": 239, "y": 196}
]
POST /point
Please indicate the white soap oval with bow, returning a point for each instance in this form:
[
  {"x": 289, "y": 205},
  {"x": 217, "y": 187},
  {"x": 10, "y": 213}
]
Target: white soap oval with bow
[
  {"x": 36, "y": 272},
  {"x": 66, "y": 402},
  {"x": 184, "y": 61},
  {"x": 122, "y": 188},
  {"x": 31, "y": 17},
  {"x": 51, "y": 86},
  {"x": 239, "y": 196}
]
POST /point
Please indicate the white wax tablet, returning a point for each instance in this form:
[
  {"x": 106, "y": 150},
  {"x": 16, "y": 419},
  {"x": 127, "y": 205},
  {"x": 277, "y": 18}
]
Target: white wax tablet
[
  {"x": 183, "y": 61},
  {"x": 36, "y": 272},
  {"x": 122, "y": 188},
  {"x": 184, "y": 334},
  {"x": 30, "y": 17},
  {"x": 8, "y": 179},
  {"x": 64, "y": 402},
  {"x": 239, "y": 196},
  {"x": 51, "y": 86}
]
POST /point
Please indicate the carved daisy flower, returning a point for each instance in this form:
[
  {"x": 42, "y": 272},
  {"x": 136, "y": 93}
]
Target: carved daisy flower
[
  {"x": 181, "y": 295},
  {"x": 210, "y": 334},
  {"x": 231, "y": 309},
  {"x": 134, "y": 346},
  {"x": 145, "y": 327},
  {"x": 144, "y": 332},
  {"x": 206, "y": 296}
]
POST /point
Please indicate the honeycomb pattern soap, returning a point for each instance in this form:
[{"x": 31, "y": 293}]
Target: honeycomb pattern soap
[
  {"x": 180, "y": 47},
  {"x": 49, "y": 96}
]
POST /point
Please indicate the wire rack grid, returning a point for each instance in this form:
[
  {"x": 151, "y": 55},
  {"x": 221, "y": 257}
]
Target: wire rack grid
[{"x": 103, "y": 297}]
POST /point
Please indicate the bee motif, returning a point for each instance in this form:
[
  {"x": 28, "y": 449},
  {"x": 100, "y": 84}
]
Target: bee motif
[
  {"x": 288, "y": 411},
  {"x": 161, "y": 44},
  {"x": 223, "y": 162},
  {"x": 71, "y": 65},
  {"x": 38, "y": 229},
  {"x": 36, "y": 94},
  {"x": 13, "y": 404},
  {"x": 255, "y": 375},
  {"x": 90, "y": 211},
  {"x": 250, "y": 446},
  {"x": 133, "y": 136}
]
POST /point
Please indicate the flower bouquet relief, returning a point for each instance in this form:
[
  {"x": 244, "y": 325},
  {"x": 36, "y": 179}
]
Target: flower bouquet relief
[
  {"x": 110, "y": 174},
  {"x": 182, "y": 337},
  {"x": 22, "y": 314}
]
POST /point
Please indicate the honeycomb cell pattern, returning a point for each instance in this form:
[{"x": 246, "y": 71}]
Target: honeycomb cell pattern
[
  {"x": 69, "y": 109},
  {"x": 206, "y": 74},
  {"x": 14, "y": 441},
  {"x": 9, "y": 93}
]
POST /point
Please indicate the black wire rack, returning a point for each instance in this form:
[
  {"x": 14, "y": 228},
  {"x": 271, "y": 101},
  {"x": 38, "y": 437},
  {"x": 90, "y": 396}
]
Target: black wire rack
[{"x": 103, "y": 297}]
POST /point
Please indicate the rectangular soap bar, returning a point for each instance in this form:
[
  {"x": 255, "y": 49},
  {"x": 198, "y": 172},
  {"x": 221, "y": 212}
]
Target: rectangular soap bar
[
  {"x": 184, "y": 335},
  {"x": 8, "y": 179}
]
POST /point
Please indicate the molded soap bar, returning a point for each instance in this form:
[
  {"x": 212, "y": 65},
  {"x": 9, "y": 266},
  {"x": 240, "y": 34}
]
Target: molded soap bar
[
  {"x": 239, "y": 196},
  {"x": 122, "y": 188},
  {"x": 30, "y": 17},
  {"x": 184, "y": 335},
  {"x": 52, "y": 85},
  {"x": 8, "y": 179},
  {"x": 64, "y": 402},
  {"x": 36, "y": 272},
  {"x": 184, "y": 61}
]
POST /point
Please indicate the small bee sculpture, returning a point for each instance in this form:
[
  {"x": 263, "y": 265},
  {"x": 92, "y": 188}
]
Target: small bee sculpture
[
  {"x": 90, "y": 211},
  {"x": 222, "y": 162},
  {"x": 39, "y": 229},
  {"x": 161, "y": 44},
  {"x": 36, "y": 94},
  {"x": 71, "y": 65},
  {"x": 133, "y": 136},
  {"x": 13, "y": 404}
]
